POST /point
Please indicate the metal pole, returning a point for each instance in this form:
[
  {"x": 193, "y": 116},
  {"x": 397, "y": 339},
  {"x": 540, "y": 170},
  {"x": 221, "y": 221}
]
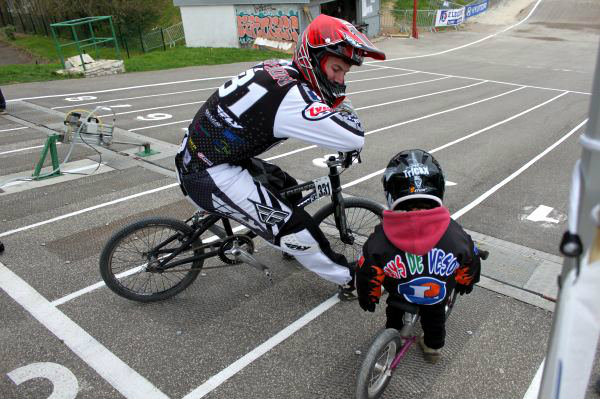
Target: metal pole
[
  {"x": 112, "y": 29},
  {"x": 141, "y": 39},
  {"x": 58, "y": 49},
  {"x": 415, "y": 32},
  {"x": 91, "y": 28},
  {"x": 78, "y": 47},
  {"x": 569, "y": 359},
  {"x": 162, "y": 36},
  {"x": 123, "y": 40}
]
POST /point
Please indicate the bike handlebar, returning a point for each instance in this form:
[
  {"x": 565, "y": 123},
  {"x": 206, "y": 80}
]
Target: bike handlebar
[{"x": 344, "y": 159}]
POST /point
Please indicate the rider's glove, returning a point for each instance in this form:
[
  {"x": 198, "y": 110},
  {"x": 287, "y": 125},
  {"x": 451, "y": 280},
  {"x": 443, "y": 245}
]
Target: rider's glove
[
  {"x": 368, "y": 285},
  {"x": 464, "y": 281},
  {"x": 464, "y": 289}
]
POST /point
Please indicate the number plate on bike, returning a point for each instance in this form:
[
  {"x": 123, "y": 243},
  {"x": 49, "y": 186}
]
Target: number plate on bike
[{"x": 322, "y": 186}]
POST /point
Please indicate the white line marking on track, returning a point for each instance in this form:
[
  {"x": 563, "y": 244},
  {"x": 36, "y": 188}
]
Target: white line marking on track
[
  {"x": 14, "y": 128},
  {"x": 396, "y": 86},
  {"x": 492, "y": 190},
  {"x": 131, "y": 271},
  {"x": 79, "y": 212},
  {"x": 151, "y": 109},
  {"x": 485, "y": 129},
  {"x": 120, "y": 88},
  {"x": 268, "y": 159},
  {"x": 229, "y": 371},
  {"x": 534, "y": 388},
  {"x": 144, "y": 86},
  {"x": 421, "y": 96},
  {"x": 489, "y": 80},
  {"x": 162, "y": 124},
  {"x": 22, "y": 149},
  {"x": 376, "y": 105},
  {"x": 65, "y": 171},
  {"x": 136, "y": 98},
  {"x": 116, "y": 372}
]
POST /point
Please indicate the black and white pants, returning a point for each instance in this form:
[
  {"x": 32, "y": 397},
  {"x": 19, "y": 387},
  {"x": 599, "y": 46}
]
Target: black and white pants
[{"x": 232, "y": 191}]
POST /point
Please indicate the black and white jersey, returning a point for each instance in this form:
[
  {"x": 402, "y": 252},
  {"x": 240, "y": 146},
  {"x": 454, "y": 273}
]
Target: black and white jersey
[{"x": 257, "y": 109}]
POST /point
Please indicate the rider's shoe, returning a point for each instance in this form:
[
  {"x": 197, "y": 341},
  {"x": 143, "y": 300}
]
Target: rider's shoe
[
  {"x": 347, "y": 292},
  {"x": 430, "y": 354}
]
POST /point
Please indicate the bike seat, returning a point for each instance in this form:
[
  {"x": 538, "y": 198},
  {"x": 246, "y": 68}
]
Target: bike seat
[{"x": 405, "y": 306}]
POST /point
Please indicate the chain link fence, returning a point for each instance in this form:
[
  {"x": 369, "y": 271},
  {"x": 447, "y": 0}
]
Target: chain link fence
[{"x": 163, "y": 38}]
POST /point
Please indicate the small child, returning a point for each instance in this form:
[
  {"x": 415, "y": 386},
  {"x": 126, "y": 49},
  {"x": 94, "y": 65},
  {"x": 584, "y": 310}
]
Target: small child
[{"x": 418, "y": 253}]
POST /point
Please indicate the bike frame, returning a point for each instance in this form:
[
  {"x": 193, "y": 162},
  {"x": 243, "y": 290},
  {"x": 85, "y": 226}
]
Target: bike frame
[
  {"x": 200, "y": 223},
  {"x": 413, "y": 312}
]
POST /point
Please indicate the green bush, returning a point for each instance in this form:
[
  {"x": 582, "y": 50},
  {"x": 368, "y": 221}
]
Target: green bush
[{"x": 9, "y": 32}]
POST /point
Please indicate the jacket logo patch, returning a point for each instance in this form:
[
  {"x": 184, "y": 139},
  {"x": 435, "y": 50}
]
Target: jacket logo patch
[
  {"x": 317, "y": 111},
  {"x": 395, "y": 268},
  {"x": 423, "y": 290}
]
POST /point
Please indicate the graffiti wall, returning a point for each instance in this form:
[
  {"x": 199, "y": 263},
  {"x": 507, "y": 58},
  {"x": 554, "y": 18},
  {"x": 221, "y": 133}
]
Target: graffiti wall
[{"x": 269, "y": 21}]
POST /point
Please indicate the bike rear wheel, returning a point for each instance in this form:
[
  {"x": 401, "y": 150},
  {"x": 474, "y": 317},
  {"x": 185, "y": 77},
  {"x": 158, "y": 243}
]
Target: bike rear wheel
[
  {"x": 127, "y": 259},
  {"x": 362, "y": 215},
  {"x": 375, "y": 373}
]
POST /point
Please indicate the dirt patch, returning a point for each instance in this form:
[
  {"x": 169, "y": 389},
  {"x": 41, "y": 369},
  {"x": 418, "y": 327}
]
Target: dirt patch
[
  {"x": 10, "y": 54},
  {"x": 506, "y": 12}
]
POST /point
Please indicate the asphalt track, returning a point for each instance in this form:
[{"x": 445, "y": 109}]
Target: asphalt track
[{"x": 500, "y": 105}]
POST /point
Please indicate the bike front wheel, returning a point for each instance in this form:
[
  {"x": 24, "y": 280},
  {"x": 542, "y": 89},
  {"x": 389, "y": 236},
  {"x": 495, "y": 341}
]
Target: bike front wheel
[
  {"x": 362, "y": 215},
  {"x": 127, "y": 260},
  {"x": 375, "y": 372}
]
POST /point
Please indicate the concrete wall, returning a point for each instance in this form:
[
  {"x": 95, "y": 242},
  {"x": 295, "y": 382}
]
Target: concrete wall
[{"x": 210, "y": 26}]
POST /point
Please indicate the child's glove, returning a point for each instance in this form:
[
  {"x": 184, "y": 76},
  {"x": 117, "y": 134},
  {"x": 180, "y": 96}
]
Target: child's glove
[
  {"x": 464, "y": 289},
  {"x": 368, "y": 285},
  {"x": 464, "y": 282}
]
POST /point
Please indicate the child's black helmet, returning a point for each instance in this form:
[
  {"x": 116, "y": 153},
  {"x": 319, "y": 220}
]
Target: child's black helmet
[{"x": 413, "y": 175}]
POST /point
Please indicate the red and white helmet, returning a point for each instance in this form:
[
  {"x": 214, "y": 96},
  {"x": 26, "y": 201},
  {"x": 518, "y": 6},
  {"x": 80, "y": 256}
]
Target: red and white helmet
[{"x": 329, "y": 35}]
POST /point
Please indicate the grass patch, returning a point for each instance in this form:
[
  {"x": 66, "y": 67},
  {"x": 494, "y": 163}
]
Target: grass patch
[
  {"x": 180, "y": 57},
  {"x": 43, "y": 48},
  {"x": 23, "y": 73}
]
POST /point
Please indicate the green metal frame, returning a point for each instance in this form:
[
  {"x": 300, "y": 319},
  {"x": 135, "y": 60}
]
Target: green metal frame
[
  {"x": 49, "y": 146},
  {"x": 82, "y": 43}
]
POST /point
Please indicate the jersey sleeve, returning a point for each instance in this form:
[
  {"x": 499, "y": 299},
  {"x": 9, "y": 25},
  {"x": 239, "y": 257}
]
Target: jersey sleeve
[{"x": 301, "y": 115}]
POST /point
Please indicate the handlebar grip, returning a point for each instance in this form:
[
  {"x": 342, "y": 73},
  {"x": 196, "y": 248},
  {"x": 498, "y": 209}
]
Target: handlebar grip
[
  {"x": 483, "y": 254},
  {"x": 348, "y": 157}
]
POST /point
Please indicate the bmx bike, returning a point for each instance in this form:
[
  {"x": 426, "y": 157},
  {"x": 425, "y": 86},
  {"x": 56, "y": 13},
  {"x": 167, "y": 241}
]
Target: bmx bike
[{"x": 156, "y": 258}]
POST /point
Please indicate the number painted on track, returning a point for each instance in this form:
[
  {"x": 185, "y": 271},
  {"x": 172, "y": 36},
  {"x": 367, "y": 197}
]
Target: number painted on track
[
  {"x": 159, "y": 116},
  {"x": 63, "y": 380},
  {"x": 80, "y": 98}
]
